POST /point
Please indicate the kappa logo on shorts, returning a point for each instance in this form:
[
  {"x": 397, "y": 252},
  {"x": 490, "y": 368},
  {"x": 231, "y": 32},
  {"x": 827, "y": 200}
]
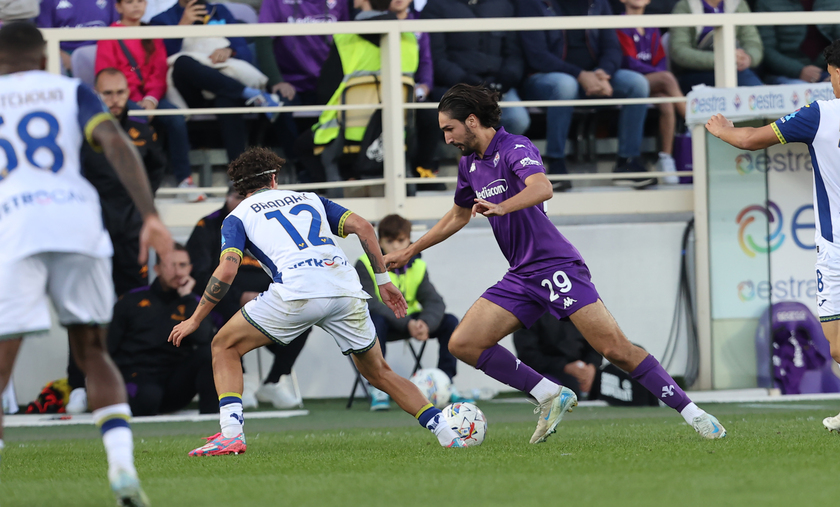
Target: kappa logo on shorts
[{"x": 568, "y": 302}]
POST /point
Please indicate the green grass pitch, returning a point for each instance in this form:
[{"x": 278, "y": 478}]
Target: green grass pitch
[{"x": 775, "y": 454}]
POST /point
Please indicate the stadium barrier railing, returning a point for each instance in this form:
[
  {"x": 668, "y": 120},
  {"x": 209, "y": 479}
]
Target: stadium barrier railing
[{"x": 396, "y": 201}]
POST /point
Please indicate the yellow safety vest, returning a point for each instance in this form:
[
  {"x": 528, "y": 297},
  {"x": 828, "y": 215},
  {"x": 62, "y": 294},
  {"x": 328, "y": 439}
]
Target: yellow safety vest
[
  {"x": 408, "y": 282},
  {"x": 360, "y": 58}
]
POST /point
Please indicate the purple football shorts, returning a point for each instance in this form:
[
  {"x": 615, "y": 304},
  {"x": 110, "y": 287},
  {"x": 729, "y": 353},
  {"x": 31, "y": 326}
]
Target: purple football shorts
[{"x": 561, "y": 290}]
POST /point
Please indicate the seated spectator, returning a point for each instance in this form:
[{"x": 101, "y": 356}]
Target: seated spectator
[
  {"x": 143, "y": 62},
  {"x": 160, "y": 377},
  {"x": 295, "y": 63},
  {"x": 643, "y": 53},
  {"x": 425, "y": 317},
  {"x": 197, "y": 66},
  {"x": 13, "y": 10},
  {"x": 573, "y": 64},
  {"x": 794, "y": 53},
  {"x": 205, "y": 248},
  {"x": 86, "y": 14},
  {"x": 556, "y": 349},
  {"x": 492, "y": 58},
  {"x": 120, "y": 215},
  {"x": 423, "y": 159},
  {"x": 353, "y": 55},
  {"x": 692, "y": 57}
]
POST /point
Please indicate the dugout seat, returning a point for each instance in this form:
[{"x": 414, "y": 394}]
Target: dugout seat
[{"x": 416, "y": 350}]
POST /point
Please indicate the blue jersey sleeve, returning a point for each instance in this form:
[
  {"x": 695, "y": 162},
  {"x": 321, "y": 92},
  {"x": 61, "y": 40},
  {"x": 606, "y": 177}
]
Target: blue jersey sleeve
[
  {"x": 799, "y": 126},
  {"x": 233, "y": 236},
  {"x": 92, "y": 112},
  {"x": 336, "y": 216}
]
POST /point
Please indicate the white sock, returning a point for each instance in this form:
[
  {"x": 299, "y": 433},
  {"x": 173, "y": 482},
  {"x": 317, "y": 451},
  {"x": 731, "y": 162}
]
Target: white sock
[
  {"x": 544, "y": 390},
  {"x": 231, "y": 420},
  {"x": 442, "y": 431},
  {"x": 119, "y": 446},
  {"x": 691, "y": 411},
  {"x": 1, "y": 444}
]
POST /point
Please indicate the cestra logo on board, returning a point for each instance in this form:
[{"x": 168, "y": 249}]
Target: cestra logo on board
[
  {"x": 746, "y": 163},
  {"x": 773, "y": 240}
]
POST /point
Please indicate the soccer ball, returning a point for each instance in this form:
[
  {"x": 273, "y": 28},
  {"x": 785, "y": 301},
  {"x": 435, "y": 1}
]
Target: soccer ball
[
  {"x": 468, "y": 421},
  {"x": 434, "y": 384}
]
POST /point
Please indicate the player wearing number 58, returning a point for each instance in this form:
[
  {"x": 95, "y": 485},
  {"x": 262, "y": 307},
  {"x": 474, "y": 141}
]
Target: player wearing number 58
[
  {"x": 502, "y": 177},
  {"x": 814, "y": 124},
  {"x": 292, "y": 234}
]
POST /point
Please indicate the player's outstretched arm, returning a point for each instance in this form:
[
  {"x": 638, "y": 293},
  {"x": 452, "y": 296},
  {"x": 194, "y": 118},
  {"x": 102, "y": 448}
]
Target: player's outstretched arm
[
  {"x": 537, "y": 189},
  {"x": 126, "y": 161},
  {"x": 391, "y": 296},
  {"x": 453, "y": 221},
  {"x": 744, "y": 138},
  {"x": 216, "y": 289}
]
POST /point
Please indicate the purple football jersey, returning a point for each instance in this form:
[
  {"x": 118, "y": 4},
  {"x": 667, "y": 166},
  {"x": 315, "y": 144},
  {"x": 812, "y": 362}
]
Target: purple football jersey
[{"x": 528, "y": 239}]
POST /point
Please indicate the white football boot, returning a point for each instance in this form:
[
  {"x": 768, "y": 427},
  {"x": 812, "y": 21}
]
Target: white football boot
[
  {"x": 832, "y": 423},
  {"x": 708, "y": 426},
  {"x": 551, "y": 413},
  {"x": 126, "y": 487}
]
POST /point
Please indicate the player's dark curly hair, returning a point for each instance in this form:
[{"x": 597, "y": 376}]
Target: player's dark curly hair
[
  {"x": 832, "y": 53},
  {"x": 253, "y": 169},
  {"x": 463, "y": 100}
]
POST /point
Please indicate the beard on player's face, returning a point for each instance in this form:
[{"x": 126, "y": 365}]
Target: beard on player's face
[{"x": 469, "y": 144}]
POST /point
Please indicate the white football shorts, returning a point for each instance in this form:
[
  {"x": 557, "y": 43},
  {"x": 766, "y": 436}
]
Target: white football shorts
[
  {"x": 828, "y": 280},
  {"x": 80, "y": 286},
  {"x": 345, "y": 318}
]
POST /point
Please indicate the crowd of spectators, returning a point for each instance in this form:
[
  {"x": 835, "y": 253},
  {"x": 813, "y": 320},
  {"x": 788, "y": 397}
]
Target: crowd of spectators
[{"x": 529, "y": 65}]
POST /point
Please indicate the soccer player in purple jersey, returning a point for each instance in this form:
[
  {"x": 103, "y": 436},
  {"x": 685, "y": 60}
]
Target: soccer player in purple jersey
[{"x": 501, "y": 176}]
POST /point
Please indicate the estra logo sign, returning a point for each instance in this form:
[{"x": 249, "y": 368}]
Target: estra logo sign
[{"x": 754, "y": 238}]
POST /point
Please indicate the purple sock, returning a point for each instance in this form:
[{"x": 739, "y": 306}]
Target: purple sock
[
  {"x": 653, "y": 376},
  {"x": 499, "y": 363}
]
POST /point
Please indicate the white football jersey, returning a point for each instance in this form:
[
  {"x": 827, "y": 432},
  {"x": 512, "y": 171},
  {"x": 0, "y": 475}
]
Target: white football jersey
[
  {"x": 292, "y": 234},
  {"x": 818, "y": 125},
  {"x": 46, "y": 205}
]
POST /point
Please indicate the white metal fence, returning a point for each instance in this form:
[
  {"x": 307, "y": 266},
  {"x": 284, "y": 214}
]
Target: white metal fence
[{"x": 396, "y": 201}]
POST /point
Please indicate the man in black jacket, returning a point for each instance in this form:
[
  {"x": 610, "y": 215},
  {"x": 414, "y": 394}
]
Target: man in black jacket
[
  {"x": 205, "y": 247},
  {"x": 492, "y": 58},
  {"x": 122, "y": 220},
  {"x": 121, "y": 217},
  {"x": 159, "y": 377},
  {"x": 556, "y": 349}
]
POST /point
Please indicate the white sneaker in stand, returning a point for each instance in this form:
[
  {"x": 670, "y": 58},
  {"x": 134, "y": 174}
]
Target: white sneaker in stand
[
  {"x": 192, "y": 196},
  {"x": 666, "y": 164}
]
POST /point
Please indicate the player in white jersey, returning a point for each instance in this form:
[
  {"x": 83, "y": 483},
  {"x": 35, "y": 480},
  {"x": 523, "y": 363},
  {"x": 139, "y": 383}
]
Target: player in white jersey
[
  {"x": 292, "y": 234},
  {"x": 54, "y": 243},
  {"x": 816, "y": 125}
]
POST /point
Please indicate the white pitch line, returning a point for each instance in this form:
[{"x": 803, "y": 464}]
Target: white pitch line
[{"x": 42, "y": 420}]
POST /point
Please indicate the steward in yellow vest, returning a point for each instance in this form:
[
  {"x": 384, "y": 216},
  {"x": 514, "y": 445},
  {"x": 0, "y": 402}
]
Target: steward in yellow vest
[{"x": 356, "y": 56}]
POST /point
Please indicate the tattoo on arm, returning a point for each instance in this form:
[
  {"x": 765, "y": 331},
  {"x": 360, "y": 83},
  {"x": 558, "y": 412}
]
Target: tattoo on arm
[
  {"x": 215, "y": 291},
  {"x": 232, "y": 258},
  {"x": 374, "y": 262}
]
